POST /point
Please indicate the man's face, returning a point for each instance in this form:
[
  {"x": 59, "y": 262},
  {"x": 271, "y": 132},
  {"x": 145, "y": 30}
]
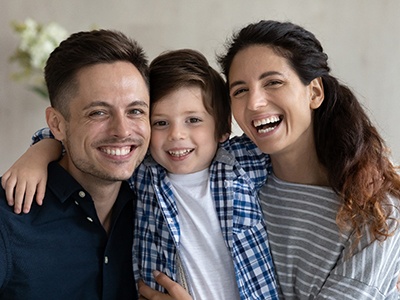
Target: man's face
[{"x": 108, "y": 131}]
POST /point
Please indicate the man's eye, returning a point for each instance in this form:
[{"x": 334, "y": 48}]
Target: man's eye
[
  {"x": 97, "y": 113},
  {"x": 136, "y": 111}
]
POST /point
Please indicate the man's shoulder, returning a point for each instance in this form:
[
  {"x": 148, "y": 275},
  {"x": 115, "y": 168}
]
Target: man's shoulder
[
  {"x": 5, "y": 209},
  {"x": 7, "y": 213}
]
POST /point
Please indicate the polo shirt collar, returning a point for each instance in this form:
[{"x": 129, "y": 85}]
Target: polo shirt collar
[
  {"x": 61, "y": 183},
  {"x": 64, "y": 186}
]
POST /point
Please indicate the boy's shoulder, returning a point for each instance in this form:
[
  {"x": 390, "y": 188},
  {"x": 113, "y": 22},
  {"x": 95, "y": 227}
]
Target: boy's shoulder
[{"x": 242, "y": 147}]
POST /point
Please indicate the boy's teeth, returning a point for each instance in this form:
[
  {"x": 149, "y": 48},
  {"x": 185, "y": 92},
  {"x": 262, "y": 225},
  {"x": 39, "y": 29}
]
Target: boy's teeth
[
  {"x": 266, "y": 121},
  {"x": 180, "y": 152},
  {"x": 117, "y": 151}
]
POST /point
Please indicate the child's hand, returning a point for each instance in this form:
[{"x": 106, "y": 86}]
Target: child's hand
[
  {"x": 22, "y": 181},
  {"x": 175, "y": 291},
  {"x": 28, "y": 175}
]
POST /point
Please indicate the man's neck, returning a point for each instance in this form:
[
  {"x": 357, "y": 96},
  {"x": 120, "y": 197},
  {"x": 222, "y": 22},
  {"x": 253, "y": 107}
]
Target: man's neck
[
  {"x": 104, "y": 197},
  {"x": 104, "y": 192}
]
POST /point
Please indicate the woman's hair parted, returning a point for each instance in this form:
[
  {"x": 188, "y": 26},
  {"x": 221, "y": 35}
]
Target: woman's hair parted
[
  {"x": 348, "y": 145},
  {"x": 83, "y": 49},
  {"x": 177, "y": 69}
]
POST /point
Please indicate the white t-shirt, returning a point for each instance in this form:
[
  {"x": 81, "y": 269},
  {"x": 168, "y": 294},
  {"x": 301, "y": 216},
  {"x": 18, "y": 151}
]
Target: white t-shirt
[{"x": 203, "y": 252}]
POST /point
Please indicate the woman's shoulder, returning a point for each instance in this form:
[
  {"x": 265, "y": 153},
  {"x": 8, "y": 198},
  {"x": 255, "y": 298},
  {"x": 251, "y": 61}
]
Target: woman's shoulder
[{"x": 393, "y": 203}]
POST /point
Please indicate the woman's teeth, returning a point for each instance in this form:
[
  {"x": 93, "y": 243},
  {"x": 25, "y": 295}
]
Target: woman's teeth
[{"x": 267, "y": 124}]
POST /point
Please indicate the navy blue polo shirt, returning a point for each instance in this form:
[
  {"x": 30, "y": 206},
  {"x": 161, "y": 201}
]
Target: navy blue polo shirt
[{"x": 61, "y": 251}]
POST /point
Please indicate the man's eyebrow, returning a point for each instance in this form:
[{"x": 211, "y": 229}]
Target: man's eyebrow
[
  {"x": 139, "y": 103},
  {"x": 106, "y": 104},
  {"x": 262, "y": 76}
]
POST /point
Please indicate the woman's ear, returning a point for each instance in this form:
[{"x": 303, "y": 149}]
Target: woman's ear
[
  {"x": 317, "y": 93},
  {"x": 56, "y": 123}
]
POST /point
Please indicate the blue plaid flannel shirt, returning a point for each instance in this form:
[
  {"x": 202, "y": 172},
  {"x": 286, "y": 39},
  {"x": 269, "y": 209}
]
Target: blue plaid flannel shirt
[
  {"x": 237, "y": 173},
  {"x": 234, "y": 186},
  {"x": 41, "y": 134}
]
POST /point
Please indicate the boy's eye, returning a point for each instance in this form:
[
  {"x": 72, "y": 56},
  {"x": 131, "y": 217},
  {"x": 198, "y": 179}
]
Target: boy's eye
[
  {"x": 160, "y": 123},
  {"x": 194, "y": 120}
]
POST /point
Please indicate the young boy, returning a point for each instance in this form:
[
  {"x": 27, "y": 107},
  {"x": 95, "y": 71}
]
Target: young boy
[{"x": 198, "y": 217}]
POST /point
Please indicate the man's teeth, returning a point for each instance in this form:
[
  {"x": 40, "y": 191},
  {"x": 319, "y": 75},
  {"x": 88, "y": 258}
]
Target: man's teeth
[
  {"x": 117, "y": 151},
  {"x": 266, "y": 121},
  {"x": 180, "y": 152}
]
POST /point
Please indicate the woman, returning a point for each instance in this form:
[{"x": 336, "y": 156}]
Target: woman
[{"x": 331, "y": 204}]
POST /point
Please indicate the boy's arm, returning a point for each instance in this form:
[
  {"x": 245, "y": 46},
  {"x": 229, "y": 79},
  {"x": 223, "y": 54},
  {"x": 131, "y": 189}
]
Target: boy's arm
[{"x": 28, "y": 175}]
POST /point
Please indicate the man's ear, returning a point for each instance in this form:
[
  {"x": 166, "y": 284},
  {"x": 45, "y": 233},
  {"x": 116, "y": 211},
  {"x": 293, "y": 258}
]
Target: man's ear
[
  {"x": 56, "y": 123},
  {"x": 317, "y": 93}
]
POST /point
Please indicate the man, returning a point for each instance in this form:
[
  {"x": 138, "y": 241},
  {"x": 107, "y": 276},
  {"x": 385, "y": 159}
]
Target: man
[{"x": 78, "y": 244}]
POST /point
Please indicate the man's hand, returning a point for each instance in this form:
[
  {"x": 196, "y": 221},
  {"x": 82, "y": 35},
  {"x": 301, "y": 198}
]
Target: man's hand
[{"x": 175, "y": 291}]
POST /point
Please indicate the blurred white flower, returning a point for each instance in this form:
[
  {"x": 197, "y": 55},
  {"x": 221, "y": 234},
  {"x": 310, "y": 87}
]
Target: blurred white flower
[{"x": 37, "y": 41}]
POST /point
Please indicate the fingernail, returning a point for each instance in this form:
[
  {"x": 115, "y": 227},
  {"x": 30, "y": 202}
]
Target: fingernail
[{"x": 156, "y": 273}]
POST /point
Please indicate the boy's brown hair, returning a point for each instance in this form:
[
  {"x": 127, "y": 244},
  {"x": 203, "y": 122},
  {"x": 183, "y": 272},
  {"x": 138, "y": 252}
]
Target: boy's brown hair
[{"x": 172, "y": 70}]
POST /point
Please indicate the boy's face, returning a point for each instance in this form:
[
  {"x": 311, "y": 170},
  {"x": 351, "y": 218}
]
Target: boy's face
[{"x": 182, "y": 132}]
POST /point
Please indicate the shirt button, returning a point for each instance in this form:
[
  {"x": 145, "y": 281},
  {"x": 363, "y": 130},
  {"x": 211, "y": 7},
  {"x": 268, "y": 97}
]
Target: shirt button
[
  {"x": 90, "y": 219},
  {"x": 82, "y": 194},
  {"x": 106, "y": 259},
  {"x": 228, "y": 183},
  {"x": 76, "y": 202}
]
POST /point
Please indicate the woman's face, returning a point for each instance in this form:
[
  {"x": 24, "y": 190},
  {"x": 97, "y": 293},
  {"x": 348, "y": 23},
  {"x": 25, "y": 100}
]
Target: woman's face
[{"x": 270, "y": 103}]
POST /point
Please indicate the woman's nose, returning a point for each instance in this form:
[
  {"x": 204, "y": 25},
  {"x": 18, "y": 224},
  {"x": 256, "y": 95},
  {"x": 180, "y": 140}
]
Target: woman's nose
[{"x": 256, "y": 99}]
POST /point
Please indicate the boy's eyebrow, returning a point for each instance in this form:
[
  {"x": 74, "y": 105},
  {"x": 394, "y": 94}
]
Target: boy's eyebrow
[{"x": 262, "y": 76}]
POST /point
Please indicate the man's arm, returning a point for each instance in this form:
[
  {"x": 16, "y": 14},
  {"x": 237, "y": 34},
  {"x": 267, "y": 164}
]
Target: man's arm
[{"x": 4, "y": 251}]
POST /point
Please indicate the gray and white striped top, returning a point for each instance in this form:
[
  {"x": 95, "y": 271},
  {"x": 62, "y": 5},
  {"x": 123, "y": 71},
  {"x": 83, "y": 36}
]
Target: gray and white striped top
[{"x": 312, "y": 259}]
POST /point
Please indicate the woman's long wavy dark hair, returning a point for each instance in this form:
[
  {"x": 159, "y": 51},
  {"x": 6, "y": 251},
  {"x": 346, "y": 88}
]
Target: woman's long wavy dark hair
[{"x": 348, "y": 145}]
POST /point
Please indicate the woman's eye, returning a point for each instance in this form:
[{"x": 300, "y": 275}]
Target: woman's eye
[
  {"x": 273, "y": 83},
  {"x": 239, "y": 91}
]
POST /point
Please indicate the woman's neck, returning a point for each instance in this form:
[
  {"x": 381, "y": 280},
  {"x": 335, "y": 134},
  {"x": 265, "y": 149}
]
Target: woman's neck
[{"x": 300, "y": 167}]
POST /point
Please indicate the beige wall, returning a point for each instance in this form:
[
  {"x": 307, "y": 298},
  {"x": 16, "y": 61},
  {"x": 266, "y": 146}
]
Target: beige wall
[{"x": 361, "y": 38}]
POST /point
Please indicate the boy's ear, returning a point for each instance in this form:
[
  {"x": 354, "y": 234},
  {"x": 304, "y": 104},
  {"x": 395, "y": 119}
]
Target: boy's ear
[
  {"x": 317, "y": 93},
  {"x": 56, "y": 123},
  {"x": 224, "y": 137}
]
